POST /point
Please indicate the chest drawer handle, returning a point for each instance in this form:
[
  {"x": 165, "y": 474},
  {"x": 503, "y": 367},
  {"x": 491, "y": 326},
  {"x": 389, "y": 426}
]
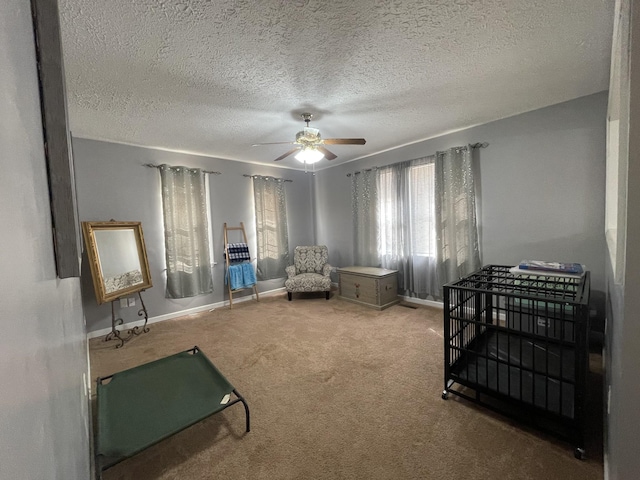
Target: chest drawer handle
[{"x": 357, "y": 285}]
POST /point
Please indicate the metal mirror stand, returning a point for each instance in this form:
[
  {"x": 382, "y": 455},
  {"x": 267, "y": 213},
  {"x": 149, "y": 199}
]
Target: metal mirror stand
[{"x": 116, "y": 334}]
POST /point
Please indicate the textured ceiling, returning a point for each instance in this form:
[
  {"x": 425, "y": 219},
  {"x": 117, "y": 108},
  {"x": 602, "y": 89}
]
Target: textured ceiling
[{"x": 214, "y": 77}]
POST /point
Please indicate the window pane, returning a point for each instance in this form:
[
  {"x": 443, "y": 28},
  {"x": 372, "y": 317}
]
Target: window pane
[
  {"x": 423, "y": 209},
  {"x": 407, "y": 211}
]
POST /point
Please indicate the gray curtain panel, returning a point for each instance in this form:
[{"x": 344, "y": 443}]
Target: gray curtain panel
[
  {"x": 186, "y": 232},
  {"x": 364, "y": 204},
  {"x": 456, "y": 226},
  {"x": 271, "y": 227},
  {"x": 407, "y": 225}
]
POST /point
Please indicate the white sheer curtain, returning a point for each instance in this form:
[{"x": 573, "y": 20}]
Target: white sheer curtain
[
  {"x": 406, "y": 221},
  {"x": 271, "y": 227},
  {"x": 456, "y": 226},
  {"x": 186, "y": 231},
  {"x": 364, "y": 203}
]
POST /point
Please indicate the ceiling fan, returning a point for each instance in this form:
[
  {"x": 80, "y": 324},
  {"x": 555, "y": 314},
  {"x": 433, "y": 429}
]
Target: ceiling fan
[{"x": 310, "y": 145}]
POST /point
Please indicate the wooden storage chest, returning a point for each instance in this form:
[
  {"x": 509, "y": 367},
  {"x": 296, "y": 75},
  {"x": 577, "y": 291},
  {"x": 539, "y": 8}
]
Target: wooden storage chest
[{"x": 370, "y": 286}]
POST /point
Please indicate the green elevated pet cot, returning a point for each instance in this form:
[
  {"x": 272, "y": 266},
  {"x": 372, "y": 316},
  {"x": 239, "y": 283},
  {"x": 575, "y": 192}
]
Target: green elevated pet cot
[{"x": 141, "y": 406}]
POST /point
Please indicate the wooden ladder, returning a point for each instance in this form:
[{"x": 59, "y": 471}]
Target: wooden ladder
[{"x": 226, "y": 255}]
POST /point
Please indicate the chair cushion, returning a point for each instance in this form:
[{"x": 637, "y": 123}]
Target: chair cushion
[
  {"x": 308, "y": 282},
  {"x": 310, "y": 259}
]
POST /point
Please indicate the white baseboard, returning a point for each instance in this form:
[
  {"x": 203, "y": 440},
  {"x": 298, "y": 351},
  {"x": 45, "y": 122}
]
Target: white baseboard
[
  {"x": 183, "y": 313},
  {"x": 419, "y": 301}
]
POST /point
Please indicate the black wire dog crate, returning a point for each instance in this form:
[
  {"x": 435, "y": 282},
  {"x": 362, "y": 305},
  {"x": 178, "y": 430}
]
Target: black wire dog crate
[{"x": 518, "y": 345}]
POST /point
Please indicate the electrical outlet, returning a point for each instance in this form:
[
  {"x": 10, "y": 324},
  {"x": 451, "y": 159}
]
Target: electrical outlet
[
  {"x": 132, "y": 302},
  {"x": 123, "y": 302}
]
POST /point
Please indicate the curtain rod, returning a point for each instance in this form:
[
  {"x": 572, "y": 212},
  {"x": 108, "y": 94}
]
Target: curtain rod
[
  {"x": 266, "y": 176},
  {"x": 363, "y": 170},
  {"x": 473, "y": 146},
  {"x": 151, "y": 165},
  {"x": 463, "y": 147}
]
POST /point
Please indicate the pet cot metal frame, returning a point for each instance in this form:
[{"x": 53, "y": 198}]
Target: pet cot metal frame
[
  {"x": 144, "y": 405},
  {"x": 518, "y": 344}
]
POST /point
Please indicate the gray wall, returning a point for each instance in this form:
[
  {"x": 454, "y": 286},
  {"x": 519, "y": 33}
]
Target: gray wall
[
  {"x": 113, "y": 184},
  {"x": 44, "y": 411},
  {"x": 541, "y": 188},
  {"x": 622, "y": 357}
]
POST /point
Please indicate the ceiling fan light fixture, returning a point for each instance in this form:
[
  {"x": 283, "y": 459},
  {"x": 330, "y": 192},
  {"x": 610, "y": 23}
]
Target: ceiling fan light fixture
[
  {"x": 309, "y": 155},
  {"x": 311, "y": 146},
  {"x": 308, "y": 135}
]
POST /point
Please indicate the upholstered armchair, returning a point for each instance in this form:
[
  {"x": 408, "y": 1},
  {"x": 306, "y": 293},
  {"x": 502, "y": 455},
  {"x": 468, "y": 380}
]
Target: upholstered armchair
[{"x": 310, "y": 271}]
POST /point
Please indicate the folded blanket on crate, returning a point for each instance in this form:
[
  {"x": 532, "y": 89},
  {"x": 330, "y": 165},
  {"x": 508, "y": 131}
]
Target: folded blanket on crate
[
  {"x": 241, "y": 275},
  {"x": 238, "y": 252}
]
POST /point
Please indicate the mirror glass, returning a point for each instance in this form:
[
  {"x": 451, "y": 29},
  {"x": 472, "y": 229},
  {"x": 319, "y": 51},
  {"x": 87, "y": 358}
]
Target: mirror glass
[
  {"x": 118, "y": 255},
  {"x": 118, "y": 258}
]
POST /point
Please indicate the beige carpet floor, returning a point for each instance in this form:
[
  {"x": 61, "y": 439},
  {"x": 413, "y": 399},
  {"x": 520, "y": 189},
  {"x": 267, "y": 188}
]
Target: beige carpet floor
[{"x": 338, "y": 391}]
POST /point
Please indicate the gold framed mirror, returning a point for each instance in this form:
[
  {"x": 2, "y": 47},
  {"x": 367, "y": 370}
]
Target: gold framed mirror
[{"x": 118, "y": 258}]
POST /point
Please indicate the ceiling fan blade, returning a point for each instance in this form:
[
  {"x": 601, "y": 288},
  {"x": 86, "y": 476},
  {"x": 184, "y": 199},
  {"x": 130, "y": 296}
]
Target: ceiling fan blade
[
  {"x": 327, "y": 154},
  {"x": 344, "y": 141},
  {"x": 284, "y": 155},
  {"x": 272, "y": 143}
]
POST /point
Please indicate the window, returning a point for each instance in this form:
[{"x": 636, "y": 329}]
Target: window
[
  {"x": 407, "y": 225},
  {"x": 423, "y": 223},
  {"x": 422, "y": 218},
  {"x": 407, "y": 210},
  {"x": 271, "y": 227},
  {"x": 186, "y": 231}
]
